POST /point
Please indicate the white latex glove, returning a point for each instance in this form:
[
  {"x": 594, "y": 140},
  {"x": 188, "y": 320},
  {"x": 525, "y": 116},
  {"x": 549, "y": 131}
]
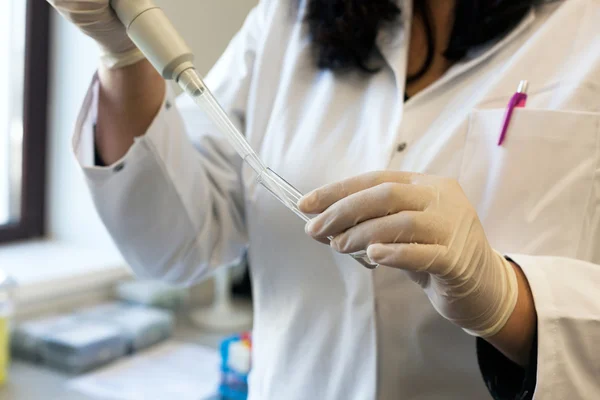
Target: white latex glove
[
  {"x": 97, "y": 20},
  {"x": 426, "y": 226}
]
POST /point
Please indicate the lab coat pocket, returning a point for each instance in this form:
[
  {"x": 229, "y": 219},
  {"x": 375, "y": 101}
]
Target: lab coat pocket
[{"x": 532, "y": 193}]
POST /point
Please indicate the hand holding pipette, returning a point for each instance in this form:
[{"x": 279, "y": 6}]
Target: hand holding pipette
[{"x": 97, "y": 20}]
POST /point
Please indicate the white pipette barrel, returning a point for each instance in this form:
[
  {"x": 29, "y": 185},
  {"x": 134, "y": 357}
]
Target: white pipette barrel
[{"x": 152, "y": 32}]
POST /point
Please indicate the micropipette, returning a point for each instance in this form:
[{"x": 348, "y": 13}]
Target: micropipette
[{"x": 152, "y": 32}]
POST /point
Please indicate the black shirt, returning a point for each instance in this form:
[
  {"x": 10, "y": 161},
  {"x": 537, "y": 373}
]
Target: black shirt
[{"x": 505, "y": 379}]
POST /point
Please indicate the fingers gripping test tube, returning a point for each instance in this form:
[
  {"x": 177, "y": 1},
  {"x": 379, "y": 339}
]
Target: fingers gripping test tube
[
  {"x": 289, "y": 196},
  {"x": 152, "y": 32}
]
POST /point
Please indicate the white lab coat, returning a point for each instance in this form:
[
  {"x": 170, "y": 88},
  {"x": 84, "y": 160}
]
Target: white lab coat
[{"x": 325, "y": 327}]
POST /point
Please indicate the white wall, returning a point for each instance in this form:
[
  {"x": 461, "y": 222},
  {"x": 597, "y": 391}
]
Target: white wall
[
  {"x": 73, "y": 62},
  {"x": 207, "y": 24}
]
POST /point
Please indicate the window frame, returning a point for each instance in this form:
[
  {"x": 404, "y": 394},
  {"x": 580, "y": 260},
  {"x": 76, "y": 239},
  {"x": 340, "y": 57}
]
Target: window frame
[{"x": 31, "y": 221}]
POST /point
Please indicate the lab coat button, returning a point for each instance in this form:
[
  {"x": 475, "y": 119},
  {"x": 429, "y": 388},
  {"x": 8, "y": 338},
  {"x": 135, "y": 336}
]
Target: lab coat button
[
  {"x": 167, "y": 105},
  {"x": 119, "y": 167},
  {"x": 401, "y": 147}
]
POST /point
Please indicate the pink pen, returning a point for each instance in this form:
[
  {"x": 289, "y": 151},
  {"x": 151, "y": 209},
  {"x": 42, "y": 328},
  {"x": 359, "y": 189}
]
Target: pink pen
[{"x": 518, "y": 100}]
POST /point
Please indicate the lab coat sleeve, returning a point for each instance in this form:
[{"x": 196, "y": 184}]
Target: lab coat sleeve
[
  {"x": 174, "y": 203},
  {"x": 567, "y": 301}
]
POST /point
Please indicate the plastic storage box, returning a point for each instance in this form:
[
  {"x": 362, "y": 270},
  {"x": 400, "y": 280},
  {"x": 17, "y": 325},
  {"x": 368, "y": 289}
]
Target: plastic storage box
[
  {"x": 153, "y": 294},
  {"x": 142, "y": 327},
  {"x": 27, "y": 337},
  {"x": 83, "y": 346}
]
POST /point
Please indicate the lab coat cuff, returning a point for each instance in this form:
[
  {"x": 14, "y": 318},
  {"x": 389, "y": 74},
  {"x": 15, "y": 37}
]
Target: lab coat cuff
[
  {"x": 83, "y": 142},
  {"x": 548, "y": 336},
  {"x": 505, "y": 379}
]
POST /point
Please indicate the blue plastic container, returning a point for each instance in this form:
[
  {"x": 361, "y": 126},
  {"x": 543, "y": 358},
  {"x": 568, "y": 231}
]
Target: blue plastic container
[{"x": 234, "y": 385}]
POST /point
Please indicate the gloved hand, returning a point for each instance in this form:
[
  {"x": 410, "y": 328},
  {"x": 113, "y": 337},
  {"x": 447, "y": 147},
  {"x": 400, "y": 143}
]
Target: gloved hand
[
  {"x": 97, "y": 19},
  {"x": 426, "y": 226}
]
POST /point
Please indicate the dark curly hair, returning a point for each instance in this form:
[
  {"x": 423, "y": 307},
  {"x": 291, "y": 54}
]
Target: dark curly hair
[{"x": 343, "y": 32}]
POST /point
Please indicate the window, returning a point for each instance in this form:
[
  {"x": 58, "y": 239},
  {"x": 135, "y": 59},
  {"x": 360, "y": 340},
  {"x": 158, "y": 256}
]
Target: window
[{"x": 24, "y": 35}]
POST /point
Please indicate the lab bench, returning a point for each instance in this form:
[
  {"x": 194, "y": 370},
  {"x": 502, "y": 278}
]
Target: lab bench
[{"x": 29, "y": 381}]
